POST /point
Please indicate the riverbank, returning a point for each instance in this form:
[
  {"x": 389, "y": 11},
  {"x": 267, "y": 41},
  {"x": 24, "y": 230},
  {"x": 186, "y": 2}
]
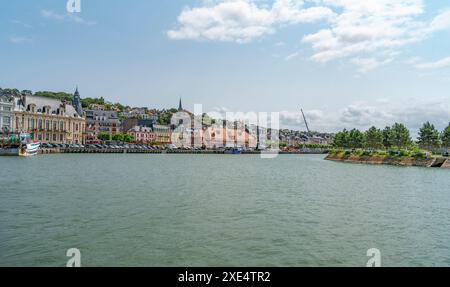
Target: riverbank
[
  {"x": 431, "y": 161},
  {"x": 168, "y": 151}
]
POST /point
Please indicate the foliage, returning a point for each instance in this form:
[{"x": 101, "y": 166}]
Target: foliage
[
  {"x": 103, "y": 136},
  {"x": 122, "y": 137},
  {"x": 387, "y": 135},
  {"x": 356, "y": 139},
  {"x": 373, "y": 138},
  {"x": 341, "y": 139},
  {"x": 445, "y": 137},
  {"x": 58, "y": 96},
  {"x": 399, "y": 136},
  {"x": 428, "y": 136},
  {"x": 87, "y": 102}
]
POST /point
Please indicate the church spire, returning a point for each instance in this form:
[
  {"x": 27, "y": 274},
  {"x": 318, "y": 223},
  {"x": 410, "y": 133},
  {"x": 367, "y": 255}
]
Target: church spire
[
  {"x": 180, "y": 106},
  {"x": 76, "y": 102}
]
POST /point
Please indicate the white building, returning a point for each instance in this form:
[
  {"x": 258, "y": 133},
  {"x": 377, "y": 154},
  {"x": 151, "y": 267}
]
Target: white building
[{"x": 6, "y": 113}]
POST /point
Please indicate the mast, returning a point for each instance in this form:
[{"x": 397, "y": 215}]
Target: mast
[{"x": 306, "y": 123}]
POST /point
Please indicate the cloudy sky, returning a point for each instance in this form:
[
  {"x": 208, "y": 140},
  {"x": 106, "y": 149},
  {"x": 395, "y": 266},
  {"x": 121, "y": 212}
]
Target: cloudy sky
[{"x": 347, "y": 63}]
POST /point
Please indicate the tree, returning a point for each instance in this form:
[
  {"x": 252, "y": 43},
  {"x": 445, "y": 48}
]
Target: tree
[
  {"x": 128, "y": 138},
  {"x": 373, "y": 138},
  {"x": 400, "y": 136},
  {"x": 387, "y": 137},
  {"x": 103, "y": 136},
  {"x": 445, "y": 137},
  {"x": 428, "y": 136},
  {"x": 341, "y": 139},
  {"x": 118, "y": 137},
  {"x": 356, "y": 138}
]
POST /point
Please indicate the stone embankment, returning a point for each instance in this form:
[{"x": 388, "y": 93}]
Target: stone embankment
[
  {"x": 173, "y": 151},
  {"x": 439, "y": 162}
]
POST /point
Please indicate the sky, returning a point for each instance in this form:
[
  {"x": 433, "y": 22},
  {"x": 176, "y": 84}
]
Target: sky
[{"x": 347, "y": 63}]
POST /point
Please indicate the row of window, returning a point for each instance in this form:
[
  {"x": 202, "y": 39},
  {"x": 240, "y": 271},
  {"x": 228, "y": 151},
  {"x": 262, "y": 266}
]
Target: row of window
[
  {"x": 47, "y": 137},
  {"x": 39, "y": 124},
  {"x": 6, "y": 109},
  {"x": 6, "y": 120}
]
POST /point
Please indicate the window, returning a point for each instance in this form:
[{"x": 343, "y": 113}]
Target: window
[
  {"x": 47, "y": 125},
  {"x": 6, "y": 120},
  {"x": 7, "y": 109},
  {"x": 61, "y": 138},
  {"x": 54, "y": 137},
  {"x": 47, "y": 137},
  {"x": 60, "y": 125},
  {"x": 40, "y": 125},
  {"x": 54, "y": 125}
]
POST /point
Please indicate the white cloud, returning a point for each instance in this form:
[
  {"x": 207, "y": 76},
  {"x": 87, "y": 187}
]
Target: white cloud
[
  {"x": 368, "y": 64},
  {"x": 242, "y": 20},
  {"x": 19, "y": 40},
  {"x": 292, "y": 56},
  {"x": 370, "y": 33},
  {"x": 442, "y": 63},
  {"x": 367, "y": 27},
  {"x": 441, "y": 22},
  {"x": 69, "y": 17}
]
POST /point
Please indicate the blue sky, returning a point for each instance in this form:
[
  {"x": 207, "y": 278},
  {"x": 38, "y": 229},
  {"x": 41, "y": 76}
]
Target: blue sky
[{"x": 347, "y": 64}]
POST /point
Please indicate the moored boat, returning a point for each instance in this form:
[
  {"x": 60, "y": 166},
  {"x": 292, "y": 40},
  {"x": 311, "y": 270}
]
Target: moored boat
[{"x": 28, "y": 147}]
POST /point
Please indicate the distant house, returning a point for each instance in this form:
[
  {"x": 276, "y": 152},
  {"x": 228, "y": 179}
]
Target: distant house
[
  {"x": 99, "y": 121},
  {"x": 142, "y": 134},
  {"x": 162, "y": 134}
]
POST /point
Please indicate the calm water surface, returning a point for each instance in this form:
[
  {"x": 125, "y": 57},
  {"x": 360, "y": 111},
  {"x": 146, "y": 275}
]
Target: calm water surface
[{"x": 220, "y": 210}]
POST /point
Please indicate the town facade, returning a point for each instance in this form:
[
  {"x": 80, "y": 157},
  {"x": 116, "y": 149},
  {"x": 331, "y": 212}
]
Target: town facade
[
  {"x": 48, "y": 120},
  {"x": 6, "y": 113},
  {"x": 162, "y": 134},
  {"x": 142, "y": 135},
  {"x": 99, "y": 121}
]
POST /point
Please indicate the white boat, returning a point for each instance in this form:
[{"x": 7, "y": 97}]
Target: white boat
[{"x": 27, "y": 146}]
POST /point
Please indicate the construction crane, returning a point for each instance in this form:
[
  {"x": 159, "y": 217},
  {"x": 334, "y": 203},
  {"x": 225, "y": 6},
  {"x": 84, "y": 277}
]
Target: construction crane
[{"x": 306, "y": 123}]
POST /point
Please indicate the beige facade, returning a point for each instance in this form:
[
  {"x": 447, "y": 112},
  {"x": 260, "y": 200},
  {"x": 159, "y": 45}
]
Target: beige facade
[
  {"x": 162, "y": 134},
  {"x": 49, "y": 120}
]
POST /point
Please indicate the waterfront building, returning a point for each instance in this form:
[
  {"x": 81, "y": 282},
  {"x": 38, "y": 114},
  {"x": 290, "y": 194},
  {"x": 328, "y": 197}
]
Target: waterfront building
[
  {"x": 128, "y": 124},
  {"x": 47, "y": 119},
  {"x": 6, "y": 113},
  {"x": 225, "y": 137},
  {"x": 141, "y": 134},
  {"x": 99, "y": 121},
  {"x": 162, "y": 134}
]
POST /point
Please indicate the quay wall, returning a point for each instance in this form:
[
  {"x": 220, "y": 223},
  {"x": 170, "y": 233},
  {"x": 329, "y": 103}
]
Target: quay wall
[
  {"x": 178, "y": 151},
  {"x": 439, "y": 162}
]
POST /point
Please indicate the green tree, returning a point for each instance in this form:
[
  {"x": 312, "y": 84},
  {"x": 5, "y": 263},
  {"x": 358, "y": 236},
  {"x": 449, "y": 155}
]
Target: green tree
[
  {"x": 356, "y": 138},
  {"x": 373, "y": 138},
  {"x": 128, "y": 138},
  {"x": 103, "y": 136},
  {"x": 387, "y": 137},
  {"x": 428, "y": 136},
  {"x": 118, "y": 137},
  {"x": 341, "y": 139},
  {"x": 400, "y": 136},
  {"x": 445, "y": 137}
]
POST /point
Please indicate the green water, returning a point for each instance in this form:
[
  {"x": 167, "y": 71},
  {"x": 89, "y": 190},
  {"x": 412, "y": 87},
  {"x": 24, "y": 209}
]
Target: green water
[{"x": 220, "y": 210}]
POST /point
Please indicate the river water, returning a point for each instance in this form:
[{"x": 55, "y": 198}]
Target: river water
[{"x": 220, "y": 210}]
